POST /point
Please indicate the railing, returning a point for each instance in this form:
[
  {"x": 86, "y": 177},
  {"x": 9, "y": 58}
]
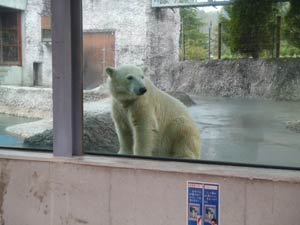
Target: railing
[
  {"x": 193, "y": 3},
  {"x": 188, "y": 3}
]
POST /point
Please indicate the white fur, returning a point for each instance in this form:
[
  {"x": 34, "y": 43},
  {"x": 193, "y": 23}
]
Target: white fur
[{"x": 152, "y": 124}]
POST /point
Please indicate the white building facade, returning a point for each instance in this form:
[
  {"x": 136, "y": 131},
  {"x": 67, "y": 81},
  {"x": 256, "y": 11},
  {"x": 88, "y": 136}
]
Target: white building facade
[{"x": 114, "y": 32}]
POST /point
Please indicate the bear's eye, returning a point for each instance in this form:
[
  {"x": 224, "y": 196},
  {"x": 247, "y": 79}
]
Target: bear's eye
[{"x": 129, "y": 77}]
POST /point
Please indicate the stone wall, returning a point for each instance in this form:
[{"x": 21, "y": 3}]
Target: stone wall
[
  {"x": 36, "y": 102},
  {"x": 26, "y": 101},
  {"x": 266, "y": 79},
  {"x": 163, "y": 43}
]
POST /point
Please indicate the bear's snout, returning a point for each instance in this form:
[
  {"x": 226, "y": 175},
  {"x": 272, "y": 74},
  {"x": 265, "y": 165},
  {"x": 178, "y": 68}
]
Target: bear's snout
[{"x": 142, "y": 91}]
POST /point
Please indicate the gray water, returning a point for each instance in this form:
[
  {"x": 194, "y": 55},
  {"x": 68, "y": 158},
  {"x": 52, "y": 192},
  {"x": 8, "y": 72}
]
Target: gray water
[
  {"x": 232, "y": 130},
  {"x": 248, "y": 131},
  {"x": 6, "y": 139}
]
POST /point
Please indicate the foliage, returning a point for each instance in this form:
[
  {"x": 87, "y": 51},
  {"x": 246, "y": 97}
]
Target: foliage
[
  {"x": 192, "y": 39},
  {"x": 248, "y": 27},
  {"x": 292, "y": 19}
]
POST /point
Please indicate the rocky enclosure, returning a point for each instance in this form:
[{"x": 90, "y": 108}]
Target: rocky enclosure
[
  {"x": 277, "y": 79},
  {"x": 246, "y": 78}
]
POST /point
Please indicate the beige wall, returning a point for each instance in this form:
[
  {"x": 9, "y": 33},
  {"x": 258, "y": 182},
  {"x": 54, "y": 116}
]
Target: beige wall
[{"x": 36, "y": 189}]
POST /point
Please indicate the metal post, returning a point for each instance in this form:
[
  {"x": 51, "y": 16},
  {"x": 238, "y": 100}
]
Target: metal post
[
  {"x": 67, "y": 77},
  {"x": 220, "y": 41},
  {"x": 183, "y": 40},
  {"x": 209, "y": 40},
  {"x": 278, "y": 36}
]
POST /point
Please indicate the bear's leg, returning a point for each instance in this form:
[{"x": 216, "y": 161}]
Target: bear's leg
[
  {"x": 145, "y": 137},
  {"x": 185, "y": 140},
  {"x": 186, "y": 149},
  {"x": 125, "y": 138}
]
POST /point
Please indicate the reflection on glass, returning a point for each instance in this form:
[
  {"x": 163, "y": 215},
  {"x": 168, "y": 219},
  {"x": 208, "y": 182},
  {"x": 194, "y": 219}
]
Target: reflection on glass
[
  {"x": 246, "y": 108},
  {"x": 25, "y": 76}
]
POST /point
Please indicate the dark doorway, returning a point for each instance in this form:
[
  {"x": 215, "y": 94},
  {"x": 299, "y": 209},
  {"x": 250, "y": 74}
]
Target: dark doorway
[{"x": 37, "y": 73}]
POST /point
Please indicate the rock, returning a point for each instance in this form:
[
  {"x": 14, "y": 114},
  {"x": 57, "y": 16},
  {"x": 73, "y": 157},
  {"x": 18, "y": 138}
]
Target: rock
[
  {"x": 26, "y": 130},
  {"x": 294, "y": 126},
  {"x": 99, "y": 131},
  {"x": 42, "y": 140},
  {"x": 183, "y": 97},
  {"x": 99, "y": 135}
]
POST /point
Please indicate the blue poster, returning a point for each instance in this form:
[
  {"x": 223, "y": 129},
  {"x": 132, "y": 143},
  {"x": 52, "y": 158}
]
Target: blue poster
[
  {"x": 211, "y": 204},
  {"x": 203, "y": 203},
  {"x": 195, "y": 206}
]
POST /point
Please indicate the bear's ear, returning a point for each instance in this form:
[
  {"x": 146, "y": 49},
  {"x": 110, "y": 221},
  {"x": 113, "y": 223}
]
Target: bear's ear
[{"x": 110, "y": 71}]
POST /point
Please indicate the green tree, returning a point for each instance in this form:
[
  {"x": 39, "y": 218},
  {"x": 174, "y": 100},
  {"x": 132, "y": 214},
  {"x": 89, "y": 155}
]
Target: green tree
[
  {"x": 193, "y": 42},
  {"x": 292, "y": 20},
  {"x": 225, "y": 20},
  {"x": 248, "y": 27}
]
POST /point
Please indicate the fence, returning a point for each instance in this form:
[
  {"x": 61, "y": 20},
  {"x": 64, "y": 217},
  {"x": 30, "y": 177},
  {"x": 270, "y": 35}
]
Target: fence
[{"x": 217, "y": 44}]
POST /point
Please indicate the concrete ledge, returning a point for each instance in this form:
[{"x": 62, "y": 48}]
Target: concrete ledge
[
  {"x": 248, "y": 173},
  {"x": 93, "y": 190}
]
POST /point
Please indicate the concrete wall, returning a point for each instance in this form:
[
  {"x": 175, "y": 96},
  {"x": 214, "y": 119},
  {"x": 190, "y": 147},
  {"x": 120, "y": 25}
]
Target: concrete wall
[
  {"x": 263, "y": 78},
  {"x": 38, "y": 189},
  {"x": 36, "y": 102},
  {"x": 11, "y": 75},
  {"x": 34, "y": 50},
  {"x": 127, "y": 19},
  {"x": 26, "y": 101},
  {"x": 163, "y": 44},
  {"x": 144, "y": 36}
]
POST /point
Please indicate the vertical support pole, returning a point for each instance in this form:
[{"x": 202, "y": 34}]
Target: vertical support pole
[
  {"x": 209, "y": 40},
  {"x": 67, "y": 77},
  {"x": 278, "y": 36},
  {"x": 19, "y": 27},
  {"x": 219, "y": 41},
  {"x": 182, "y": 41}
]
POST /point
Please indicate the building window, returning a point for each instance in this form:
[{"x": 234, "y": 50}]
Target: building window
[
  {"x": 46, "y": 28},
  {"x": 10, "y": 38}
]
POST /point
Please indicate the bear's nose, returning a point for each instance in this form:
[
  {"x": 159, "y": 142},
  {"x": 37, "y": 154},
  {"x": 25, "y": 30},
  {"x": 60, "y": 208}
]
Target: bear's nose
[{"x": 142, "y": 90}]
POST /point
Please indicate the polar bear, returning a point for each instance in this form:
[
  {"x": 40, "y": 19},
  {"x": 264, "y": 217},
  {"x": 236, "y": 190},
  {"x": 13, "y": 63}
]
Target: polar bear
[{"x": 150, "y": 122}]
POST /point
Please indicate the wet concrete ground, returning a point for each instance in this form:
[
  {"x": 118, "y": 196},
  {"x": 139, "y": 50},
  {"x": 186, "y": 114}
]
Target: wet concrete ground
[
  {"x": 248, "y": 131},
  {"x": 232, "y": 130}
]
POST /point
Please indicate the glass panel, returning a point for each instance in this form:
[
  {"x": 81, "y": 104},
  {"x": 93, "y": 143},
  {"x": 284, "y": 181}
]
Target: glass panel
[
  {"x": 46, "y": 35},
  {"x": 25, "y": 89},
  {"x": 235, "y": 67}
]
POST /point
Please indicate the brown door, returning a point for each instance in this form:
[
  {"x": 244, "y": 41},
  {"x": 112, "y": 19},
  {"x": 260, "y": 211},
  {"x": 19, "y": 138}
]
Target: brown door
[{"x": 98, "y": 53}]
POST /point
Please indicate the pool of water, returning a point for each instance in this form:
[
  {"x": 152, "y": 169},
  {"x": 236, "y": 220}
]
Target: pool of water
[
  {"x": 232, "y": 130},
  {"x": 6, "y": 139},
  {"x": 248, "y": 131}
]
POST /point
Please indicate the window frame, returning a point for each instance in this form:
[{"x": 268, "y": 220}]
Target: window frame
[
  {"x": 18, "y": 44},
  {"x": 46, "y": 26},
  {"x": 67, "y": 58}
]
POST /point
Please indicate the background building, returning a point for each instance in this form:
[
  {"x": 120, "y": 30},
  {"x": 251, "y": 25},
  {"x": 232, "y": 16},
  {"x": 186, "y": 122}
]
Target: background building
[{"x": 132, "y": 32}]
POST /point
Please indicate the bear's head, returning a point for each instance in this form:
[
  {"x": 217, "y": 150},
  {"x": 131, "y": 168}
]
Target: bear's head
[{"x": 126, "y": 82}]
